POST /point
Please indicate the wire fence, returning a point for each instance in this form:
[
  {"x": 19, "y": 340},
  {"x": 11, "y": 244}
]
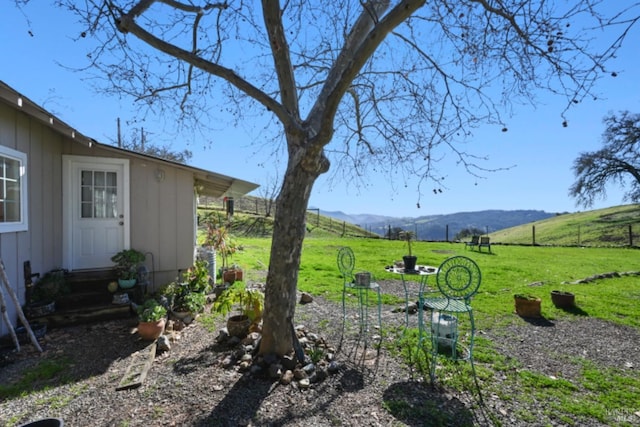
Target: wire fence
[{"x": 582, "y": 234}]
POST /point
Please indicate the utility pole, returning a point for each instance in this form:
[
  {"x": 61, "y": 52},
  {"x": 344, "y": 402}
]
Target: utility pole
[{"x": 119, "y": 135}]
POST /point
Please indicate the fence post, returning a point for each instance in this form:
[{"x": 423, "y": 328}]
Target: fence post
[
  {"x": 630, "y": 236},
  {"x": 533, "y": 233}
]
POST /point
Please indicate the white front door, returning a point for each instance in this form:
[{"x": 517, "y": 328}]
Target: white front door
[{"x": 96, "y": 211}]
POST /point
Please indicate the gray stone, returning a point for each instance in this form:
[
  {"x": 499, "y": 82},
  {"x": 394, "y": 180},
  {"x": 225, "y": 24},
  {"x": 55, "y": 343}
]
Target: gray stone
[
  {"x": 163, "y": 343},
  {"x": 299, "y": 374},
  {"x": 304, "y": 383},
  {"x": 275, "y": 370},
  {"x": 333, "y": 367},
  {"x": 287, "y": 377},
  {"x": 289, "y": 362}
]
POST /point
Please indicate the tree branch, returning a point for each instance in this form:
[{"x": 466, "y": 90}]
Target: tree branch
[
  {"x": 281, "y": 57},
  {"x": 366, "y": 35},
  {"x": 127, "y": 25}
]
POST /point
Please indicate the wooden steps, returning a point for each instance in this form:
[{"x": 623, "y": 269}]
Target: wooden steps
[{"x": 89, "y": 300}]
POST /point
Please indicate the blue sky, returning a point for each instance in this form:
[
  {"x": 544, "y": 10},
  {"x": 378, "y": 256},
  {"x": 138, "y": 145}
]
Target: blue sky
[{"x": 538, "y": 150}]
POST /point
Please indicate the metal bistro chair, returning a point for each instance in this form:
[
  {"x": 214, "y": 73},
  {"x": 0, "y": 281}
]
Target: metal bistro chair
[
  {"x": 361, "y": 284},
  {"x": 458, "y": 279}
]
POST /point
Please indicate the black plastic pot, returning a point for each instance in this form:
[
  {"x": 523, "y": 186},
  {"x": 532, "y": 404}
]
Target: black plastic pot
[
  {"x": 44, "y": 422},
  {"x": 410, "y": 262}
]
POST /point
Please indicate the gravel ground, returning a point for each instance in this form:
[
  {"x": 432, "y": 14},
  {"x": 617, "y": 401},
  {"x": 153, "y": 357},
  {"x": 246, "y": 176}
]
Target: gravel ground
[{"x": 188, "y": 386}]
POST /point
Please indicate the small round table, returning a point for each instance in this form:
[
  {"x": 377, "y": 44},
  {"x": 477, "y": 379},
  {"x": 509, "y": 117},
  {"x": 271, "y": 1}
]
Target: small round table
[{"x": 421, "y": 272}]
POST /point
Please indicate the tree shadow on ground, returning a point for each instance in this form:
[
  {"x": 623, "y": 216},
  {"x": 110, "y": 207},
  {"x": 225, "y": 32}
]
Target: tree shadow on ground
[
  {"x": 243, "y": 403},
  {"x": 419, "y": 404},
  {"x": 31, "y": 371}
]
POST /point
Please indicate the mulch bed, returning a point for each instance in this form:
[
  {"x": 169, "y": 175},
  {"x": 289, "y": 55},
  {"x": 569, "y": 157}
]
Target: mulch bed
[{"x": 188, "y": 386}]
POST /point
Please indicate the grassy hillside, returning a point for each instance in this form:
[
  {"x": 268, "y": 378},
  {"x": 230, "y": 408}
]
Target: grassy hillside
[
  {"x": 615, "y": 226},
  {"x": 247, "y": 224}
]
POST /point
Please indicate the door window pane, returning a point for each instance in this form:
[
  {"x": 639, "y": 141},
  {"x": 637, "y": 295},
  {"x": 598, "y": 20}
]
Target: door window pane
[{"x": 99, "y": 194}]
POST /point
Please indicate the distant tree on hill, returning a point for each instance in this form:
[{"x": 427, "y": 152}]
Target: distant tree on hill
[
  {"x": 393, "y": 233},
  {"x": 618, "y": 162},
  {"x": 268, "y": 192},
  {"x": 467, "y": 232},
  {"x": 138, "y": 142}
]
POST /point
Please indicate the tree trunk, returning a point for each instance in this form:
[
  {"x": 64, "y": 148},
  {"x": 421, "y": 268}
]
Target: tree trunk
[{"x": 288, "y": 234}]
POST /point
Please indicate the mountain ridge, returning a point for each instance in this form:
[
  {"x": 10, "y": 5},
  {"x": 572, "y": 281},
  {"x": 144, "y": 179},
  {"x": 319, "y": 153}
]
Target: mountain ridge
[{"x": 443, "y": 226}]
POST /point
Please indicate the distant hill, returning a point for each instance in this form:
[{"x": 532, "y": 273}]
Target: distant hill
[
  {"x": 613, "y": 226},
  {"x": 443, "y": 227}
]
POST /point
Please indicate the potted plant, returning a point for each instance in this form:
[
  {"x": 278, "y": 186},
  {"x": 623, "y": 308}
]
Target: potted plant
[
  {"x": 250, "y": 303},
  {"x": 152, "y": 316},
  {"x": 409, "y": 260},
  {"x": 219, "y": 239},
  {"x": 42, "y": 298},
  {"x": 527, "y": 305},
  {"x": 563, "y": 299},
  {"x": 188, "y": 297},
  {"x": 127, "y": 262}
]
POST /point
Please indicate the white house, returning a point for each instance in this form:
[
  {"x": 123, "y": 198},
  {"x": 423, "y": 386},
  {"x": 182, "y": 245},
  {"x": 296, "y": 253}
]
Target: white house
[{"x": 67, "y": 201}]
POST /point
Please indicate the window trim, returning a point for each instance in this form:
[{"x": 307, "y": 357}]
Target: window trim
[{"x": 23, "y": 224}]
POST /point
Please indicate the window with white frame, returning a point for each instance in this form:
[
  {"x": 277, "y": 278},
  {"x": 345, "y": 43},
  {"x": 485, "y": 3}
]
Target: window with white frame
[{"x": 13, "y": 190}]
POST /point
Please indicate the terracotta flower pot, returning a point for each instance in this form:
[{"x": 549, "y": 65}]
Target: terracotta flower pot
[
  {"x": 528, "y": 306},
  {"x": 229, "y": 276},
  {"x": 150, "y": 330},
  {"x": 563, "y": 299}
]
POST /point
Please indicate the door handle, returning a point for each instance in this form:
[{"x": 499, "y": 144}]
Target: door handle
[{"x": 121, "y": 223}]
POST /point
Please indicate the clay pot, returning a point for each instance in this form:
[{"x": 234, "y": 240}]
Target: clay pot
[
  {"x": 229, "y": 276},
  {"x": 563, "y": 299},
  {"x": 238, "y": 326},
  {"x": 528, "y": 306},
  {"x": 151, "y": 330}
]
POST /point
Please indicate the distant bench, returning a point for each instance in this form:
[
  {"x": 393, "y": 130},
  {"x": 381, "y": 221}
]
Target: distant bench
[
  {"x": 475, "y": 241},
  {"x": 484, "y": 243}
]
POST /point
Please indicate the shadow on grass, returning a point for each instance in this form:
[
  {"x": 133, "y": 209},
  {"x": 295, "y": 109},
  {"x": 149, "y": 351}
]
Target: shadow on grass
[
  {"x": 538, "y": 321},
  {"x": 575, "y": 310},
  {"x": 419, "y": 404}
]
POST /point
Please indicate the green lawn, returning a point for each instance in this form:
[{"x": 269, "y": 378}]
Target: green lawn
[
  {"x": 507, "y": 271},
  {"x": 596, "y": 394}
]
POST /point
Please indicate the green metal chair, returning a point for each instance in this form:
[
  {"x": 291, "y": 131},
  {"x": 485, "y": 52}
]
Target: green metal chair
[
  {"x": 362, "y": 284},
  {"x": 458, "y": 279}
]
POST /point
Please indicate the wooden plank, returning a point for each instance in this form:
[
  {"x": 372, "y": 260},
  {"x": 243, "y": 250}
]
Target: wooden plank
[{"x": 139, "y": 366}]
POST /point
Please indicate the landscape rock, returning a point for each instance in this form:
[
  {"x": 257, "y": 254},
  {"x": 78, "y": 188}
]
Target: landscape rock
[{"x": 306, "y": 298}]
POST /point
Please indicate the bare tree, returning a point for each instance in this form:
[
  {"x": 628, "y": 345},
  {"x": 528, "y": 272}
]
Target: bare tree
[
  {"x": 616, "y": 163},
  {"x": 138, "y": 142},
  {"x": 268, "y": 192},
  {"x": 373, "y": 85}
]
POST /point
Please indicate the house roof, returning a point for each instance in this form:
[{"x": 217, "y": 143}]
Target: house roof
[{"x": 208, "y": 183}]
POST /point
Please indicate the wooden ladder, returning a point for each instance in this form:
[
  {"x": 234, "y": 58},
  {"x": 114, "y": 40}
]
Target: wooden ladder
[{"x": 5, "y": 316}]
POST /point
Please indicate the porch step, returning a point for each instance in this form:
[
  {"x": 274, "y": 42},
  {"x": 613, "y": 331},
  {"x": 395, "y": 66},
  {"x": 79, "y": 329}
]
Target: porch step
[
  {"x": 89, "y": 300},
  {"x": 82, "y": 299},
  {"x": 90, "y": 281},
  {"x": 87, "y": 314}
]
